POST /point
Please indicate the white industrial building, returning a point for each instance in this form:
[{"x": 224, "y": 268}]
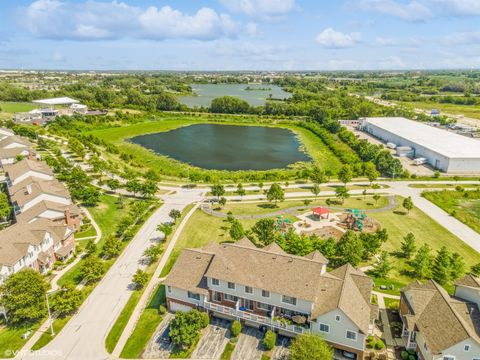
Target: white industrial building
[{"x": 444, "y": 150}]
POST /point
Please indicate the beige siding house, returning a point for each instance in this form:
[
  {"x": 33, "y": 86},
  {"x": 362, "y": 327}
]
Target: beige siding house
[{"x": 267, "y": 288}]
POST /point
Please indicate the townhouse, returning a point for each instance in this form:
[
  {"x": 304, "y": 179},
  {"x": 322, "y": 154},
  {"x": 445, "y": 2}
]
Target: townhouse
[
  {"x": 12, "y": 146},
  {"x": 267, "y": 288},
  {"x": 438, "y": 326}
]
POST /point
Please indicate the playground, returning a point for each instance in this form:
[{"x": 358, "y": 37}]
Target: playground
[{"x": 325, "y": 223}]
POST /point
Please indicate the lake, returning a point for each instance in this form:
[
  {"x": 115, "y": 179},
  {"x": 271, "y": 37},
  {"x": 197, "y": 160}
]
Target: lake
[
  {"x": 227, "y": 147},
  {"x": 208, "y": 92}
]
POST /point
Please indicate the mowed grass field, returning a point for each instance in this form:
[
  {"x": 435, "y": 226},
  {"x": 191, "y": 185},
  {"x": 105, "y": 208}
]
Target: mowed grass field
[
  {"x": 453, "y": 109},
  {"x": 318, "y": 151},
  {"x": 465, "y": 209},
  {"x": 14, "y": 107}
]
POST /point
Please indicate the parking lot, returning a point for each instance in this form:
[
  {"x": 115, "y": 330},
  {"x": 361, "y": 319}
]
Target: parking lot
[
  {"x": 213, "y": 340},
  {"x": 159, "y": 347},
  {"x": 249, "y": 345}
]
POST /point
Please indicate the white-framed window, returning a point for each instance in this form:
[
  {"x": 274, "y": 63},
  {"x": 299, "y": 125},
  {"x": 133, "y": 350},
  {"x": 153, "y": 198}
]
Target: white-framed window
[
  {"x": 466, "y": 347},
  {"x": 215, "y": 282},
  {"x": 324, "y": 328},
  {"x": 263, "y": 306},
  {"x": 265, "y": 293},
  {"x": 193, "y": 296},
  {"x": 337, "y": 318},
  {"x": 217, "y": 296},
  {"x": 169, "y": 288},
  {"x": 351, "y": 335},
  {"x": 231, "y": 285},
  {"x": 248, "y": 290},
  {"x": 289, "y": 300},
  {"x": 229, "y": 297}
]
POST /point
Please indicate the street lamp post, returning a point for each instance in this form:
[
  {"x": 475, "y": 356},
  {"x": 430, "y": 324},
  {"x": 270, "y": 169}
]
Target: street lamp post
[{"x": 48, "y": 309}]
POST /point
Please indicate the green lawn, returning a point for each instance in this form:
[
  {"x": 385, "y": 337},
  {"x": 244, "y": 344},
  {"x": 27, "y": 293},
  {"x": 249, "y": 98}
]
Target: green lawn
[
  {"x": 87, "y": 233},
  {"x": 14, "y": 107},
  {"x": 227, "y": 353},
  {"x": 46, "y": 337},
  {"x": 467, "y": 210},
  {"x": 391, "y": 303},
  {"x": 145, "y": 327},
  {"x": 453, "y": 109},
  {"x": 11, "y": 338},
  {"x": 442, "y": 186}
]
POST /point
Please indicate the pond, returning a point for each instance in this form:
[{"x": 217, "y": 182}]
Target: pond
[
  {"x": 255, "y": 95},
  {"x": 227, "y": 147}
]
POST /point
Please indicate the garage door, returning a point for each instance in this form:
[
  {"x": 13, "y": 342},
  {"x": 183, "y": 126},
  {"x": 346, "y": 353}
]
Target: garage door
[{"x": 174, "y": 307}]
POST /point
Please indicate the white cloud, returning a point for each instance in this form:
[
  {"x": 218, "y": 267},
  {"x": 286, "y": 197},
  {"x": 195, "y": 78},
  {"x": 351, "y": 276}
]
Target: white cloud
[
  {"x": 463, "y": 38},
  {"x": 252, "y": 29},
  {"x": 262, "y": 9},
  {"x": 421, "y": 10},
  {"x": 332, "y": 39},
  {"x": 385, "y": 41},
  {"x": 94, "y": 20}
]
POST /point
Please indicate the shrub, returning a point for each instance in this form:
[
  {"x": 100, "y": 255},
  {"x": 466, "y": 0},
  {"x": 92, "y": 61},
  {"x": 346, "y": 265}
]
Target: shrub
[
  {"x": 404, "y": 355},
  {"x": 371, "y": 344},
  {"x": 269, "y": 340},
  {"x": 379, "y": 345},
  {"x": 411, "y": 357},
  {"x": 236, "y": 328},
  {"x": 205, "y": 320},
  {"x": 162, "y": 310}
]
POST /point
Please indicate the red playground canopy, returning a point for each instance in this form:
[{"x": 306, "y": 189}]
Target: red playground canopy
[{"x": 321, "y": 211}]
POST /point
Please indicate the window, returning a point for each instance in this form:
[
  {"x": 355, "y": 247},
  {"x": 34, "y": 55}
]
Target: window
[
  {"x": 264, "y": 306},
  {"x": 217, "y": 296},
  {"x": 215, "y": 282},
  {"x": 193, "y": 296},
  {"x": 289, "y": 300},
  {"x": 265, "y": 293},
  {"x": 248, "y": 290},
  {"x": 324, "y": 328},
  {"x": 169, "y": 288},
  {"x": 351, "y": 335},
  {"x": 229, "y": 297},
  {"x": 448, "y": 357},
  {"x": 337, "y": 317},
  {"x": 466, "y": 348},
  {"x": 231, "y": 285},
  {"x": 249, "y": 304}
]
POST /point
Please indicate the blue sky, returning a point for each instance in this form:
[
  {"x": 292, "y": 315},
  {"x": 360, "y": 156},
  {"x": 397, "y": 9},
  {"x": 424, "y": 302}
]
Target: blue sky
[{"x": 240, "y": 34}]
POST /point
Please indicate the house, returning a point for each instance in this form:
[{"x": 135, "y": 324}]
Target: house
[
  {"x": 14, "y": 141},
  {"x": 69, "y": 214},
  {"x": 439, "y": 326},
  {"x": 4, "y": 133},
  {"x": 11, "y": 147},
  {"x": 27, "y": 168},
  {"x": 271, "y": 289},
  {"x": 37, "y": 245}
]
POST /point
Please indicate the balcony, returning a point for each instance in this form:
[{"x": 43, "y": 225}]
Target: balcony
[{"x": 262, "y": 320}]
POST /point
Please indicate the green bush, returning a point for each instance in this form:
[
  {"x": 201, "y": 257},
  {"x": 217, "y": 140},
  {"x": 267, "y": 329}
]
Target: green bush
[
  {"x": 162, "y": 310},
  {"x": 379, "y": 345},
  {"x": 205, "y": 320},
  {"x": 404, "y": 355},
  {"x": 236, "y": 328},
  {"x": 411, "y": 357},
  {"x": 269, "y": 340},
  {"x": 371, "y": 344}
]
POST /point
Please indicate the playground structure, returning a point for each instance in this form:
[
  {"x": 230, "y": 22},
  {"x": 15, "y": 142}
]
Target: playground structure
[
  {"x": 355, "y": 219},
  {"x": 282, "y": 224}
]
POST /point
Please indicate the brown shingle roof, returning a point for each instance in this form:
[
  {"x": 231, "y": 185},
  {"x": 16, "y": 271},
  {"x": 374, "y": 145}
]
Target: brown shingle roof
[
  {"x": 469, "y": 280},
  {"x": 42, "y": 206},
  {"x": 11, "y": 153},
  {"x": 21, "y": 167},
  {"x": 14, "y": 139},
  {"x": 443, "y": 321},
  {"x": 20, "y": 195}
]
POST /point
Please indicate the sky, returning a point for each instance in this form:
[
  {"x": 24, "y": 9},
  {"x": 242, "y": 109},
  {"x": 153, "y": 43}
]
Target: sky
[{"x": 239, "y": 34}]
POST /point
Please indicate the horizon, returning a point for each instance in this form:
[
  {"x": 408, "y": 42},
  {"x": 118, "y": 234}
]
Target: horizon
[{"x": 241, "y": 36}]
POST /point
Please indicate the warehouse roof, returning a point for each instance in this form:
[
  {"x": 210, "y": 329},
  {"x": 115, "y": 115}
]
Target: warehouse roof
[
  {"x": 441, "y": 141},
  {"x": 56, "y": 101}
]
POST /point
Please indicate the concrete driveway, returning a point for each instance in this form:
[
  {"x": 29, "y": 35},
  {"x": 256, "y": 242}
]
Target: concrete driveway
[
  {"x": 249, "y": 345},
  {"x": 281, "y": 350},
  {"x": 213, "y": 341},
  {"x": 157, "y": 347}
]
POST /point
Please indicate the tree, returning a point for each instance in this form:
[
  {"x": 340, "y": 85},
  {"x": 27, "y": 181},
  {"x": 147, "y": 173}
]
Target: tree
[
  {"x": 422, "y": 262},
  {"x": 275, "y": 193},
  {"x": 318, "y": 175},
  {"x": 475, "y": 270},
  {"x": 260, "y": 185},
  {"x": 175, "y": 214},
  {"x": 376, "y": 197},
  {"x": 341, "y": 192},
  {"x": 140, "y": 279},
  {"x": 149, "y": 188},
  {"x": 229, "y": 105},
  {"x": 296, "y": 244},
  {"x": 457, "y": 266},
  {"x": 166, "y": 229},
  {"x": 133, "y": 186},
  {"x": 152, "y": 253},
  {"x": 315, "y": 190},
  {"x": 383, "y": 266},
  {"x": 371, "y": 172},
  {"x": 236, "y": 328},
  {"x": 310, "y": 347},
  {"x": 217, "y": 190},
  {"x": 240, "y": 191},
  {"x": 112, "y": 247},
  {"x": 345, "y": 174},
  {"x": 408, "y": 204},
  {"x": 222, "y": 201},
  {"x": 5, "y": 208},
  {"x": 269, "y": 340},
  {"x": 441, "y": 266},
  {"x": 113, "y": 184},
  {"x": 185, "y": 327},
  {"x": 265, "y": 231},
  {"x": 92, "y": 269},
  {"x": 236, "y": 230},
  {"x": 23, "y": 296},
  {"x": 67, "y": 300},
  {"x": 328, "y": 248},
  {"x": 91, "y": 247},
  {"x": 408, "y": 245},
  {"x": 350, "y": 249}
]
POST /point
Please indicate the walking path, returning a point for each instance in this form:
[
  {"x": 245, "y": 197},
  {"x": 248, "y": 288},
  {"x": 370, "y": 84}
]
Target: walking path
[
  {"x": 152, "y": 285},
  {"x": 387, "y": 331},
  {"x": 84, "y": 335}
]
